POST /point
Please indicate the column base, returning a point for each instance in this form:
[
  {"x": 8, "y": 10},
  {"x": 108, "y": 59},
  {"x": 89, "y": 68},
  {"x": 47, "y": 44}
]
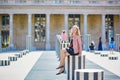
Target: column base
[
  {"x": 11, "y": 47},
  {"x": 47, "y": 46}
]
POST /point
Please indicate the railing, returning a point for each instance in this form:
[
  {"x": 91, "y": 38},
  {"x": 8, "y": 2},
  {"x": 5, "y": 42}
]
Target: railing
[
  {"x": 62, "y": 2},
  {"x": 19, "y": 45},
  {"x": 88, "y": 41}
]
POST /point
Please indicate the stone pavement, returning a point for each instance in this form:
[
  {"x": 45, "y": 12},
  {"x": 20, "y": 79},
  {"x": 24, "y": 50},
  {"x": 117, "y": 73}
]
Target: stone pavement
[
  {"x": 18, "y": 70},
  {"x": 41, "y": 65},
  {"x": 45, "y": 68}
]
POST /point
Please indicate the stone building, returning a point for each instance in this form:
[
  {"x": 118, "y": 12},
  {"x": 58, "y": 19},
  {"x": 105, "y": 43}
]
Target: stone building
[{"x": 41, "y": 20}]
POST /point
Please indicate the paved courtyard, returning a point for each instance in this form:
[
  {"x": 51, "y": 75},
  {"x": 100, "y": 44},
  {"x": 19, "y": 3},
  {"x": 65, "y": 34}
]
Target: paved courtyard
[{"x": 41, "y": 65}]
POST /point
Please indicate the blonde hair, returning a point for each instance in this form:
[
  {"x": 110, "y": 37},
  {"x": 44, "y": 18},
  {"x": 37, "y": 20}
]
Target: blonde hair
[{"x": 78, "y": 30}]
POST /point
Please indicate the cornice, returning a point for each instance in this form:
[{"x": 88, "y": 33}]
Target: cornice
[
  {"x": 57, "y": 7},
  {"x": 59, "y": 10}
]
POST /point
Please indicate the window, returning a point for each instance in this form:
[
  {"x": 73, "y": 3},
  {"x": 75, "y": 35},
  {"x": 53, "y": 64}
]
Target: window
[
  {"x": 5, "y": 38},
  {"x": 39, "y": 1},
  {"x": 39, "y": 29},
  {"x": 74, "y": 19},
  {"x": 109, "y": 27},
  {"x": 20, "y": 1},
  {"x": 5, "y": 20},
  {"x": 3, "y": 1},
  {"x": 75, "y": 1}
]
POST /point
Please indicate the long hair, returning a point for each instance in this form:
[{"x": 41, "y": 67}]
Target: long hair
[{"x": 78, "y": 30}]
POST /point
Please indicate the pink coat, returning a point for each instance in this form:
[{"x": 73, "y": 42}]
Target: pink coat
[{"x": 77, "y": 44}]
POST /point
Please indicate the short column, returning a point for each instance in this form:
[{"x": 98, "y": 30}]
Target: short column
[
  {"x": 72, "y": 63},
  {"x": 12, "y": 58},
  {"x": 64, "y": 44},
  {"x": 89, "y": 74},
  {"x": 113, "y": 57},
  {"x": 104, "y": 54},
  {"x": 4, "y": 62}
]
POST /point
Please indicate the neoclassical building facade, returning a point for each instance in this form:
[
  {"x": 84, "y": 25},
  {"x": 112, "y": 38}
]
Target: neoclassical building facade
[{"x": 41, "y": 20}]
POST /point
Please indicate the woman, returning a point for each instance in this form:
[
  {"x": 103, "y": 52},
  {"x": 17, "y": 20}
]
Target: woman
[
  {"x": 111, "y": 45},
  {"x": 100, "y": 45},
  {"x": 75, "y": 48},
  {"x": 64, "y": 36}
]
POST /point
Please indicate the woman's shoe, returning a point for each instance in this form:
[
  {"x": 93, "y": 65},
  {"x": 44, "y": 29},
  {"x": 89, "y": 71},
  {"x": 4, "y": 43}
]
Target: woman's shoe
[
  {"x": 60, "y": 73},
  {"x": 59, "y": 67}
]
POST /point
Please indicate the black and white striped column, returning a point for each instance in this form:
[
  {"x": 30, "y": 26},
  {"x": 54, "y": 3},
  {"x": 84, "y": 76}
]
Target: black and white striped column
[
  {"x": 12, "y": 58},
  {"x": 4, "y": 62},
  {"x": 64, "y": 44},
  {"x": 104, "y": 54},
  {"x": 23, "y": 52},
  {"x": 72, "y": 63},
  {"x": 18, "y": 55},
  {"x": 89, "y": 74},
  {"x": 113, "y": 57},
  {"x": 97, "y": 52}
]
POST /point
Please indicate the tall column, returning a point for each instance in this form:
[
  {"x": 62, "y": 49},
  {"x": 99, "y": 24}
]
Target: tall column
[
  {"x": 29, "y": 36},
  {"x": 11, "y": 30},
  {"x": 119, "y": 25},
  {"x": 47, "y": 31},
  {"x": 85, "y": 31},
  {"x": 66, "y": 22},
  {"x": 29, "y": 24},
  {"x": 103, "y": 30}
]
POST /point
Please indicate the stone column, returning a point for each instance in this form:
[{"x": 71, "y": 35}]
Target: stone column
[
  {"x": 85, "y": 31},
  {"x": 29, "y": 24},
  {"x": 0, "y": 44},
  {"x": 103, "y": 31},
  {"x": 11, "y": 30},
  {"x": 119, "y": 25},
  {"x": 47, "y": 31},
  {"x": 66, "y": 22},
  {"x": 29, "y": 36}
]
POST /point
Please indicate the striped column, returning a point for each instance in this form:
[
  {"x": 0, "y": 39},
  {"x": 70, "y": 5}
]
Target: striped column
[
  {"x": 97, "y": 52},
  {"x": 89, "y": 74},
  {"x": 104, "y": 54},
  {"x": 72, "y": 63},
  {"x": 64, "y": 44},
  {"x": 113, "y": 57},
  {"x": 4, "y": 62},
  {"x": 18, "y": 55},
  {"x": 12, "y": 58}
]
